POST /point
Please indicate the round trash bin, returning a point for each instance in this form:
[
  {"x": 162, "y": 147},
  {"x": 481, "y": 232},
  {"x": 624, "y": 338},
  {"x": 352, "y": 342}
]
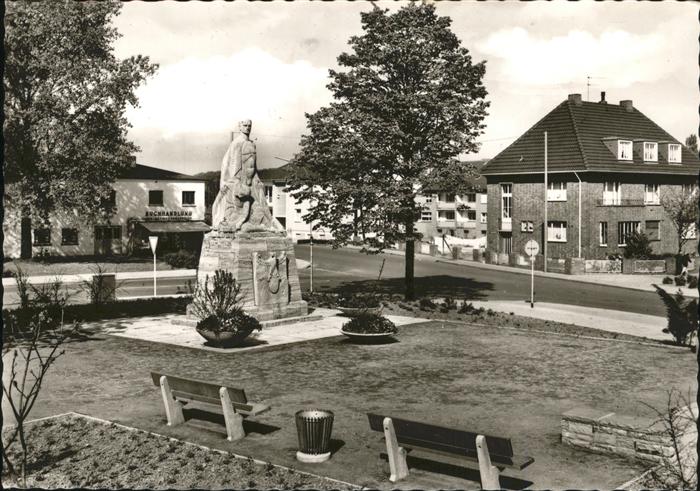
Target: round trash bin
[{"x": 314, "y": 429}]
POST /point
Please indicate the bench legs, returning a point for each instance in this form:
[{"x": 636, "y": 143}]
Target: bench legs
[
  {"x": 489, "y": 473},
  {"x": 234, "y": 421},
  {"x": 397, "y": 455},
  {"x": 173, "y": 408}
]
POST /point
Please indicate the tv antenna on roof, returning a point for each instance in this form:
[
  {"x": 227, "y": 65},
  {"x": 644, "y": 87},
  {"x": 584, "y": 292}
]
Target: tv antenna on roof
[{"x": 588, "y": 86}]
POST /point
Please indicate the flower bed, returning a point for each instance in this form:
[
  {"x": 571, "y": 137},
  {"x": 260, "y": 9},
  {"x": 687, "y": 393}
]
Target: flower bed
[{"x": 72, "y": 451}]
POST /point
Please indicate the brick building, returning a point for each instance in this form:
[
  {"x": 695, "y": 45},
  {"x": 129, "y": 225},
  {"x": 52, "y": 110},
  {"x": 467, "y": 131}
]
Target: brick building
[{"x": 608, "y": 167}]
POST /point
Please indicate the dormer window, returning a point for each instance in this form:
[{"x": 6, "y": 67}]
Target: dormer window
[
  {"x": 651, "y": 151},
  {"x": 674, "y": 153},
  {"x": 624, "y": 150}
]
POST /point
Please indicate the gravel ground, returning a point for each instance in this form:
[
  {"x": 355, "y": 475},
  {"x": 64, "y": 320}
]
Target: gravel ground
[{"x": 76, "y": 452}]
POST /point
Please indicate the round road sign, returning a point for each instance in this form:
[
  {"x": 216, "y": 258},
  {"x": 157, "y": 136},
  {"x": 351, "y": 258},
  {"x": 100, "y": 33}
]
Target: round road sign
[{"x": 532, "y": 248}]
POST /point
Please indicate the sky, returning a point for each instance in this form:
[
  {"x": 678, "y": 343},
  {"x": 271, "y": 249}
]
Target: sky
[{"x": 221, "y": 62}]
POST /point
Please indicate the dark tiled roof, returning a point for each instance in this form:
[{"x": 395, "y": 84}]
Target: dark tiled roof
[
  {"x": 575, "y": 134},
  {"x": 273, "y": 174},
  {"x": 154, "y": 173}
]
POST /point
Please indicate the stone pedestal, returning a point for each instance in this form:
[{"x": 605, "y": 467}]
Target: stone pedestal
[{"x": 264, "y": 265}]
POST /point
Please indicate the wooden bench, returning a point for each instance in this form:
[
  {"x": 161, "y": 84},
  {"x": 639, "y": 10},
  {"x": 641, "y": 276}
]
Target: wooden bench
[
  {"x": 178, "y": 391},
  {"x": 403, "y": 436}
]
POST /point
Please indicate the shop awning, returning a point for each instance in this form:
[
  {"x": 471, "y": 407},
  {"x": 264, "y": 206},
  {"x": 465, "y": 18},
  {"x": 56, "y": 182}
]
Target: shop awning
[{"x": 175, "y": 227}]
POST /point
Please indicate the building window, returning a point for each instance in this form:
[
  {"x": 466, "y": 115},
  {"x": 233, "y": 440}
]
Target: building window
[
  {"x": 651, "y": 194},
  {"x": 507, "y": 243},
  {"x": 556, "y": 231},
  {"x": 428, "y": 199},
  {"x": 109, "y": 232},
  {"x": 624, "y": 150},
  {"x": 674, "y": 153},
  {"x": 652, "y": 229},
  {"x": 483, "y": 218},
  {"x": 603, "y": 233},
  {"x": 624, "y": 230},
  {"x": 111, "y": 201},
  {"x": 651, "y": 150},
  {"x": 268, "y": 194},
  {"x": 69, "y": 236},
  {"x": 556, "y": 191},
  {"x": 426, "y": 216},
  {"x": 689, "y": 189},
  {"x": 188, "y": 198},
  {"x": 506, "y": 202},
  {"x": 446, "y": 215},
  {"x": 446, "y": 197},
  {"x": 527, "y": 226},
  {"x": 611, "y": 193},
  {"x": 471, "y": 215},
  {"x": 471, "y": 197},
  {"x": 42, "y": 236},
  {"x": 155, "y": 198},
  {"x": 483, "y": 198}
]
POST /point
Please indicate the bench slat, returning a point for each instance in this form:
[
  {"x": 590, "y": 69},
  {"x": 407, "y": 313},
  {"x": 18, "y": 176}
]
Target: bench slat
[
  {"x": 445, "y": 440},
  {"x": 247, "y": 409},
  {"x": 200, "y": 388},
  {"x": 516, "y": 462}
]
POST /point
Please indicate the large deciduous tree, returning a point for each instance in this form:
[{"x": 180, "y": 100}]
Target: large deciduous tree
[
  {"x": 692, "y": 143},
  {"x": 408, "y": 102},
  {"x": 65, "y": 99}
]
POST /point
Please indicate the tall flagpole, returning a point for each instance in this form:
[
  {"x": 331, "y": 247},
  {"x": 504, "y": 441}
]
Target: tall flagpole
[{"x": 546, "y": 227}]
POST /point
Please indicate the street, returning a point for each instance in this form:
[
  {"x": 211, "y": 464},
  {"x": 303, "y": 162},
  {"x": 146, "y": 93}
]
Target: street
[
  {"x": 357, "y": 271},
  {"x": 353, "y": 268}
]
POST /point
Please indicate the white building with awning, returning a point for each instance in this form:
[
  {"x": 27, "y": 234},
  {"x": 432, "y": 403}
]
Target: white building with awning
[{"x": 146, "y": 201}]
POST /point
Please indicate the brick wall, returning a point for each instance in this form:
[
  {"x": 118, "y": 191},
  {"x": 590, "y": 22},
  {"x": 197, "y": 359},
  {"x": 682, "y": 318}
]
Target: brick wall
[{"x": 528, "y": 199}]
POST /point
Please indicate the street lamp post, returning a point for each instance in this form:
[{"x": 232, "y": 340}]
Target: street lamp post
[{"x": 311, "y": 256}]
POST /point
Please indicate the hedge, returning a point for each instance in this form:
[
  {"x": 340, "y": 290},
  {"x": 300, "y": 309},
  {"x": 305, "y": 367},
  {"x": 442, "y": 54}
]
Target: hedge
[{"x": 110, "y": 310}]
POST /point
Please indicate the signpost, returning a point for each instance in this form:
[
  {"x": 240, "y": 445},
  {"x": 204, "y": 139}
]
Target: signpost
[
  {"x": 531, "y": 249},
  {"x": 153, "y": 240}
]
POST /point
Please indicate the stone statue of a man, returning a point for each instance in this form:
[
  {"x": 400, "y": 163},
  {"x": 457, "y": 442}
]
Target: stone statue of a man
[{"x": 240, "y": 204}]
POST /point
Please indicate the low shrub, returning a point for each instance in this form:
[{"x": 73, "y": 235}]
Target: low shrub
[
  {"x": 110, "y": 310},
  {"x": 638, "y": 246},
  {"x": 426, "y": 304},
  {"x": 667, "y": 280},
  {"x": 235, "y": 322},
  {"x": 317, "y": 299},
  {"x": 680, "y": 280},
  {"x": 8, "y": 274},
  {"x": 367, "y": 323},
  {"x": 692, "y": 281},
  {"x": 682, "y": 316},
  {"x": 182, "y": 259},
  {"x": 449, "y": 303},
  {"x": 358, "y": 301},
  {"x": 468, "y": 308}
]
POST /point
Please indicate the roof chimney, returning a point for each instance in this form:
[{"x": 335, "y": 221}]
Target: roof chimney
[
  {"x": 602, "y": 98},
  {"x": 575, "y": 98},
  {"x": 627, "y": 105}
]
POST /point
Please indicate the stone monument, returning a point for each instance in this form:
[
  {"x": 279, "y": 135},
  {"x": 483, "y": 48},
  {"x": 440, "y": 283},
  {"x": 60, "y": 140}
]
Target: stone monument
[{"x": 248, "y": 241}]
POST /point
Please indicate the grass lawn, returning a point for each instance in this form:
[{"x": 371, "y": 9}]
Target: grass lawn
[
  {"x": 500, "y": 382},
  {"x": 72, "y": 265}
]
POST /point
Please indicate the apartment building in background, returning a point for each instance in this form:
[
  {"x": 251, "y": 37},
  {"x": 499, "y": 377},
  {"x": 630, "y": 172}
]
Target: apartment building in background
[{"x": 609, "y": 166}]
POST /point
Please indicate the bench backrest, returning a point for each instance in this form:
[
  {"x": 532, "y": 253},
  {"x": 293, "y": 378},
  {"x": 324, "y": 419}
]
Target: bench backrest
[
  {"x": 200, "y": 390},
  {"x": 445, "y": 440}
]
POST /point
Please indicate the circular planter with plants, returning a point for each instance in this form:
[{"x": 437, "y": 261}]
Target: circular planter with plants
[
  {"x": 353, "y": 305},
  {"x": 369, "y": 328},
  {"x": 222, "y": 322}
]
